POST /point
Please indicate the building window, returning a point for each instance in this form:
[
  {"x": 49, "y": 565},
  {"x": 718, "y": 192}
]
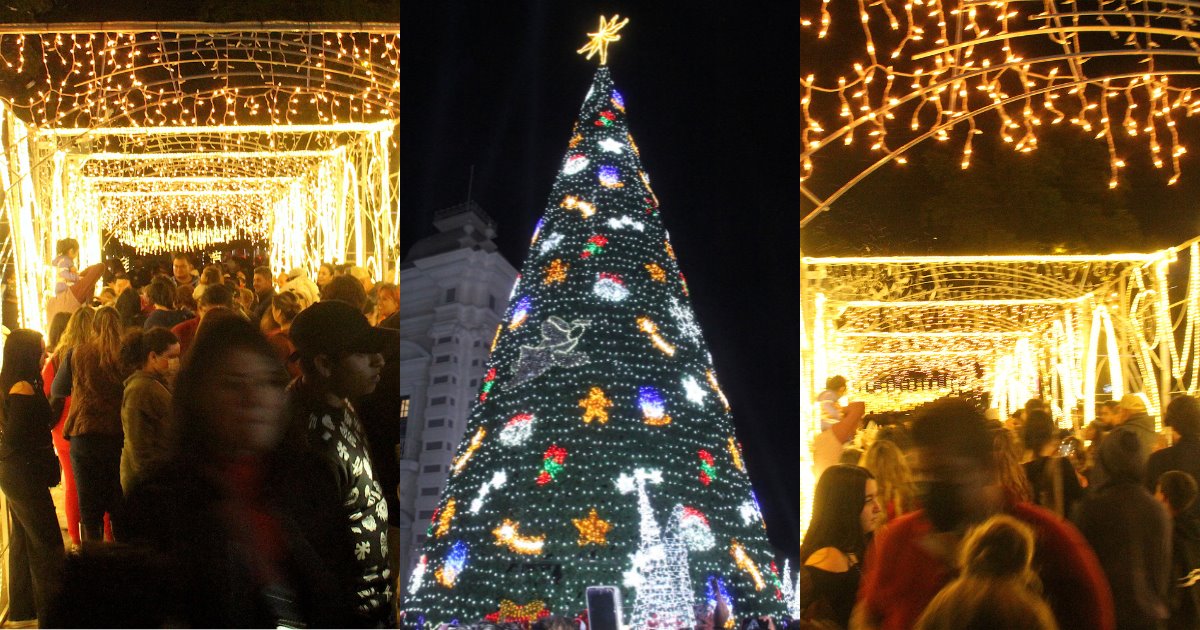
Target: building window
[
  {"x": 491, "y": 305},
  {"x": 441, "y": 379},
  {"x": 475, "y": 363},
  {"x": 430, "y": 468},
  {"x": 403, "y": 422},
  {"x": 433, "y": 446},
  {"x": 430, "y": 492},
  {"x": 425, "y": 516},
  {"x": 436, "y": 422},
  {"x": 450, "y": 293},
  {"x": 437, "y": 400},
  {"x": 477, "y": 343},
  {"x": 421, "y": 538},
  {"x": 444, "y": 340},
  {"x": 474, "y": 381}
]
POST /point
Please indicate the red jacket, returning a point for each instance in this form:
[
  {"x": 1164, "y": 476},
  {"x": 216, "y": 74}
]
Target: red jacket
[{"x": 900, "y": 577}]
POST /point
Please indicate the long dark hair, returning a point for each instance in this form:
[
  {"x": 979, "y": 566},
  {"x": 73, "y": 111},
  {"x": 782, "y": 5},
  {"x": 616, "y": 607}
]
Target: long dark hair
[
  {"x": 205, "y": 359},
  {"x": 22, "y": 361},
  {"x": 837, "y": 508}
]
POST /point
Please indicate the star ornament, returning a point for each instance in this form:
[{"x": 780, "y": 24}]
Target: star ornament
[
  {"x": 592, "y": 530},
  {"x": 602, "y": 38}
]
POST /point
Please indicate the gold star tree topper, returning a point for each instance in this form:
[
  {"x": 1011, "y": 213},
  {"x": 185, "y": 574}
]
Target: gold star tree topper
[{"x": 601, "y": 39}]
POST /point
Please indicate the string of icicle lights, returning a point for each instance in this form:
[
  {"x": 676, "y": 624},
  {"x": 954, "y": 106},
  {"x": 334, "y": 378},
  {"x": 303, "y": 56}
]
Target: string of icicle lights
[
  {"x": 1122, "y": 72},
  {"x": 185, "y": 77}
]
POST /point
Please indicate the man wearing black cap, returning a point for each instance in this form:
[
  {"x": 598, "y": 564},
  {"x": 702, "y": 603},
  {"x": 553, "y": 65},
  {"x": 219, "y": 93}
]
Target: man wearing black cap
[{"x": 341, "y": 357}]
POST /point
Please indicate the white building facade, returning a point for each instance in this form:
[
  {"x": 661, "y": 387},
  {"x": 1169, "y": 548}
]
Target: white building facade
[{"x": 455, "y": 291}]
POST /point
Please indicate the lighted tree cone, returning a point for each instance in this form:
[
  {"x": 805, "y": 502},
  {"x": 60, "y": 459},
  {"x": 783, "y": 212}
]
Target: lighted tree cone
[{"x": 595, "y": 375}]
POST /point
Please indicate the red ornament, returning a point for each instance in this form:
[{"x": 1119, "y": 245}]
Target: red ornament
[{"x": 606, "y": 119}]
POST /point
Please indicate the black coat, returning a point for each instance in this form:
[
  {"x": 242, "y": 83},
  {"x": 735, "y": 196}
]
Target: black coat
[
  {"x": 1185, "y": 456},
  {"x": 178, "y": 512}
]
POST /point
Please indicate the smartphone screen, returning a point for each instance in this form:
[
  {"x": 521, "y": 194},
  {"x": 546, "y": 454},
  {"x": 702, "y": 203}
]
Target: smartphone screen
[{"x": 604, "y": 607}]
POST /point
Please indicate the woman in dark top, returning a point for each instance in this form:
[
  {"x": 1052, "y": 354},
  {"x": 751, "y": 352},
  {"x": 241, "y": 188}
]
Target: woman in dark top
[
  {"x": 239, "y": 504},
  {"x": 28, "y": 468},
  {"x": 845, "y": 511},
  {"x": 93, "y": 423},
  {"x": 1051, "y": 478}
]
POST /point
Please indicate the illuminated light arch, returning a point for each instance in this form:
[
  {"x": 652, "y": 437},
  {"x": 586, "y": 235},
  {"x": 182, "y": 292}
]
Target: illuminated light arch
[
  {"x": 178, "y": 135},
  {"x": 1017, "y": 326},
  {"x": 929, "y": 69}
]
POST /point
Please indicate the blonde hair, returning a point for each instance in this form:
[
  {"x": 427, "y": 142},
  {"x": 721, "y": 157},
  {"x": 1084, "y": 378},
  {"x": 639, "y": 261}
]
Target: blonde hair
[
  {"x": 998, "y": 548},
  {"x": 886, "y": 462},
  {"x": 106, "y": 336},
  {"x": 997, "y": 587},
  {"x": 1007, "y": 451},
  {"x": 78, "y": 330}
]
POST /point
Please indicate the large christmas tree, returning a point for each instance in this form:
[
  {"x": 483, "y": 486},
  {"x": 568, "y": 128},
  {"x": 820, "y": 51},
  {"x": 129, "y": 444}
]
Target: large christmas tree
[{"x": 600, "y": 450}]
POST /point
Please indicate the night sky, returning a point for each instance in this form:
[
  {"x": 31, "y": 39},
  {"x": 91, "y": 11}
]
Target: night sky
[{"x": 712, "y": 96}]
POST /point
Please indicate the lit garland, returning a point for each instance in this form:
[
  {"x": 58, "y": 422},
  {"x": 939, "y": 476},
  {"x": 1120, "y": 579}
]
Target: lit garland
[
  {"x": 579, "y": 347},
  {"x": 656, "y": 272},
  {"x": 592, "y": 530},
  {"x": 507, "y": 534},
  {"x": 945, "y": 68}
]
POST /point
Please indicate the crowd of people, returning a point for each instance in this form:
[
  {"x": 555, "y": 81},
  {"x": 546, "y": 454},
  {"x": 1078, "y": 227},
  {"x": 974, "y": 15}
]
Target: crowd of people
[
  {"x": 226, "y": 444},
  {"x": 948, "y": 517}
]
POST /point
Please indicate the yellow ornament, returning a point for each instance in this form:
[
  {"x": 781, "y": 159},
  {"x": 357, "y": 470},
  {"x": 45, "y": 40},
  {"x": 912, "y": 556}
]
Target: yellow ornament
[
  {"x": 575, "y": 139},
  {"x": 656, "y": 273},
  {"x": 602, "y": 38},
  {"x": 650, "y": 328},
  {"x": 444, "y": 519},
  {"x": 476, "y": 442},
  {"x": 507, "y": 535},
  {"x": 712, "y": 382},
  {"x": 592, "y": 530},
  {"x": 743, "y": 561},
  {"x": 595, "y": 406},
  {"x": 736, "y": 453},
  {"x": 571, "y": 202},
  {"x": 511, "y": 611},
  {"x": 556, "y": 272},
  {"x": 670, "y": 250}
]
